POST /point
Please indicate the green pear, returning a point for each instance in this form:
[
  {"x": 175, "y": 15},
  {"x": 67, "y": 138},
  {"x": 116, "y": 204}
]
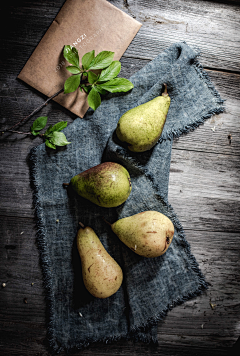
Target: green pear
[
  {"x": 148, "y": 234},
  {"x": 141, "y": 127},
  {"x": 107, "y": 184},
  {"x": 102, "y": 276}
]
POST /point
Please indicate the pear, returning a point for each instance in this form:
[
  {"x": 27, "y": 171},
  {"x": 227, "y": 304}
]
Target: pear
[
  {"x": 107, "y": 184},
  {"x": 102, "y": 276},
  {"x": 141, "y": 127},
  {"x": 148, "y": 233}
]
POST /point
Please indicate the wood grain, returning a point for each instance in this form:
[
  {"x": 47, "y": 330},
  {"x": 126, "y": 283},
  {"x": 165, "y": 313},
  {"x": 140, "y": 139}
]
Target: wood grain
[
  {"x": 194, "y": 323},
  {"x": 203, "y": 183},
  {"x": 206, "y": 27}
]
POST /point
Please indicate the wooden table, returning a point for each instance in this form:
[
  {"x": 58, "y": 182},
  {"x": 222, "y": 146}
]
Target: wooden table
[{"x": 203, "y": 188}]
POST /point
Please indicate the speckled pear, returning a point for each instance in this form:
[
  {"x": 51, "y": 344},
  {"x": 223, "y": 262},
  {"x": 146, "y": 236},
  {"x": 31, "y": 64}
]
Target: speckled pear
[
  {"x": 107, "y": 184},
  {"x": 141, "y": 127},
  {"x": 148, "y": 233},
  {"x": 102, "y": 275}
]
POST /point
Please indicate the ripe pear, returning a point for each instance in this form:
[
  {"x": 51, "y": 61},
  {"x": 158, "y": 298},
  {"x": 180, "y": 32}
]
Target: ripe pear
[
  {"x": 148, "y": 234},
  {"x": 107, "y": 184},
  {"x": 102, "y": 276},
  {"x": 141, "y": 127}
]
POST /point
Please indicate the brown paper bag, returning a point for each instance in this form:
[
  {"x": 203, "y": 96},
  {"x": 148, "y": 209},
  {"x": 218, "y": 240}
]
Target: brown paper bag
[{"x": 87, "y": 25}]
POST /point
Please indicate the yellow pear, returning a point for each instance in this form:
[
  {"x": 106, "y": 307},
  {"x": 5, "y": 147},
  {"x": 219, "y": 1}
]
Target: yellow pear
[
  {"x": 102, "y": 276},
  {"x": 141, "y": 127},
  {"x": 148, "y": 233}
]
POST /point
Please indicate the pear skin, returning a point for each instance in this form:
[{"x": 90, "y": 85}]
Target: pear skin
[
  {"x": 141, "y": 127},
  {"x": 102, "y": 276},
  {"x": 107, "y": 184},
  {"x": 148, "y": 234}
]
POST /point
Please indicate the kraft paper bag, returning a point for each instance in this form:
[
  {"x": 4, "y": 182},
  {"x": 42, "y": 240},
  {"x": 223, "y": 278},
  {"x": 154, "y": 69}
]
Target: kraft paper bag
[{"x": 87, "y": 25}]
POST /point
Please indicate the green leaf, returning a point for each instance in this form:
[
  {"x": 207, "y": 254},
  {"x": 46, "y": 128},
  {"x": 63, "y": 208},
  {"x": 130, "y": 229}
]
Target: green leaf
[
  {"x": 34, "y": 133},
  {"x": 72, "y": 83},
  {"x": 102, "y": 60},
  {"x": 100, "y": 90},
  {"x": 71, "y": 55},
  {"x": 117, "y": 85},
  {"x": 87, "y": 88},
  {"x": 94, "y": 99},
  {"x": 38, "y": 124},
  {"x": 58, "y": 139},
  {"x": 92, "y": 77},
  {"x": 49, "y": 144},
  {"x": 110, "y": 72},
  {"x": 73, "y": 69},
  {"x": 87, "y": 59},
  {"x": 59, "y": 126},
  {"x": 49, "y": 129}
]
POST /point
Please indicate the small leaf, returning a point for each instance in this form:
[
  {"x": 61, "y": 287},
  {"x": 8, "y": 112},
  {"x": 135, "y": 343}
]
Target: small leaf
[
  {"x": 102, "y": 60},
  {"x": 49, "y": 144},
  {"x": 110, "y": 72},
  {"x": 34, "y": 133},
  {"x": 58, "y": 139},
  {"x": 71, "y": 55},
  {"x": 100, "y": 90},
  {"x": 87, "y": 59},
  {"x": 73, "y": 69},
  {"x": 94, "y": 99},
  {"x": 39, "y": 124},
  {"x": 72, "y": 83},
  {"x": 57, "y": 127},
  {"x": 92, "y": 77},
  {"x": 117, "y": 85},
  {"x": 49, "y": 129},
  {"x": 87, "y": 88}
]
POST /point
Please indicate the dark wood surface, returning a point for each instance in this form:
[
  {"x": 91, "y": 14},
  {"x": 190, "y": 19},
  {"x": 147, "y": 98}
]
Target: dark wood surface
[{"x": 203, "y": 187}]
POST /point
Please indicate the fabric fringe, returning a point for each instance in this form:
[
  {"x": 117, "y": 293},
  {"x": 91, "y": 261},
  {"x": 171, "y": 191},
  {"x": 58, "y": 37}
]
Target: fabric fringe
[
  {"x": 42, "y": 245},
  {"x": 220, "y": 107},
  {"x": 202, "y": 283}
]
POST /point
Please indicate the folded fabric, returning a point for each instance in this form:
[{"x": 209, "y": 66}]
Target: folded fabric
[{"x": 151, "y": 286}]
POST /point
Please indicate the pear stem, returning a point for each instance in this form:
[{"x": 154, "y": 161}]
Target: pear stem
[
  {"x": 107, "y": 222},
  {"x": 165, "y": 93},
  {"x": 81, "y": 224},
  {"x": 65, "y": 184}
]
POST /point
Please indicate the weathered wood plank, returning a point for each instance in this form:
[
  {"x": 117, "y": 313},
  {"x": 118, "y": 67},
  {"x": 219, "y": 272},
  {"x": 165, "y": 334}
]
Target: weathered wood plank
[
  {"x": 203, "y": 187},
  {"x": 213, "y": 136},
  {"x": 193, "y": 325},
  {"x": 210, "y": 27},
  {"x": 209, "y": 183}
]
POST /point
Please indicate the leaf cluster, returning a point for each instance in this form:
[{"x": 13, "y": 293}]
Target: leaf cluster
[
  {"x": 52, "y": 136},
  {"x": 87, "y": 78}
]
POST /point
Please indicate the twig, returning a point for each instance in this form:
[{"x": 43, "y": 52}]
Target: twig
[
  {"x": 65, "y": 184},
  {"x": 34, "y": 111},
  {"x": 107, "y": 222},
  {"x": 19, "y": 132}
]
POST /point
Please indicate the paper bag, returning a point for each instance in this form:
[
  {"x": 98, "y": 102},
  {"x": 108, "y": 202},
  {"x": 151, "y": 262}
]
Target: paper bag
[{"x": 87, "y": 25}]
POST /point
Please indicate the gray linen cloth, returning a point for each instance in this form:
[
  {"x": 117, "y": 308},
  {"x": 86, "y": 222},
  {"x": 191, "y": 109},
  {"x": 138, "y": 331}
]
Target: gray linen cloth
[{"x": 151, "y": 286}]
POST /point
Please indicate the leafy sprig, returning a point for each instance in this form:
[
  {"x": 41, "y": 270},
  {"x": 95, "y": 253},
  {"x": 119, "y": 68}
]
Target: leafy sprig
[
  {"x": 87, "y": 78},
  {"x": 96, "y": 76},
  {"x": 52, "y": 136}
]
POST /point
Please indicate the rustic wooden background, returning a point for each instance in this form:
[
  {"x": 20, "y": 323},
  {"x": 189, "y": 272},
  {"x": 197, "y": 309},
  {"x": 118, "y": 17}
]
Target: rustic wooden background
[{"x": 203, "y": 189}]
